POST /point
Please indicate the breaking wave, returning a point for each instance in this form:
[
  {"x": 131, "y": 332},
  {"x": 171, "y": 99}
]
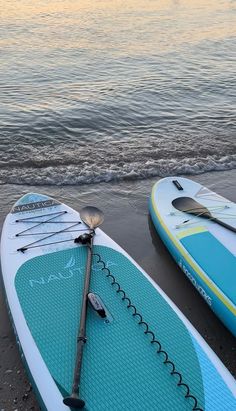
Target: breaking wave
[{"x": 91, "y": 172}]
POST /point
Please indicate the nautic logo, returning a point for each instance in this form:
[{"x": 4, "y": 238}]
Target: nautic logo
[
  {"x": 195, "y": 283},
  {"x": 68, "y": 271},
  {"x": 34, "y": 206}
]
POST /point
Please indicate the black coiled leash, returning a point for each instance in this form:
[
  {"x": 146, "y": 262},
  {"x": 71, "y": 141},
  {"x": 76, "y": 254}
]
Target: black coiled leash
[{"x": 147, "y": 331}]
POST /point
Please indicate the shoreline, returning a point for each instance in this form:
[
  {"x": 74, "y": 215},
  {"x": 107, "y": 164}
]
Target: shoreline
[{"x": 128, "y": 222}]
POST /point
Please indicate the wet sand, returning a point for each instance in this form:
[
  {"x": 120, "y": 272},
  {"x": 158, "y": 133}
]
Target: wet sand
[{"x": 128, "y": 223}]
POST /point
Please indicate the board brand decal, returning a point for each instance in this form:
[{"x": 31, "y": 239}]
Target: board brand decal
[
  {"x": 34, "y": 206},
  {"x": 195, "y": 283},
  {"x": 66, "y": 273},
  {"x": 48, "y": 279}
]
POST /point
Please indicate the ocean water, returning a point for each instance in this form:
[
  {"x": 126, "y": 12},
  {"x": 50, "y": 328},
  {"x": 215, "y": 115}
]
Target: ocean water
[{"x": 112, "y": 90}]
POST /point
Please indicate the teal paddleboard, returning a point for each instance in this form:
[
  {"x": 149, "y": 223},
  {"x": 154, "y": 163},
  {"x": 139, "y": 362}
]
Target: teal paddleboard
[{"x": 198, "y": 227}]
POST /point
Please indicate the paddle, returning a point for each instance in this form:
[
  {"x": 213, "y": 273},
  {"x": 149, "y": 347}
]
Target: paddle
[
  {"x": 92, "y": 217},
  {"x": 191, "y": 206}
]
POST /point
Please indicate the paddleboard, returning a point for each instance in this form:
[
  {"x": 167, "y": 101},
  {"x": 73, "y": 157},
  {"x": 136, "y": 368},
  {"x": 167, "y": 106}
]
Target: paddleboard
[
  {"x": 144, "y": 354},
  {"x": 203, "y": 249}
]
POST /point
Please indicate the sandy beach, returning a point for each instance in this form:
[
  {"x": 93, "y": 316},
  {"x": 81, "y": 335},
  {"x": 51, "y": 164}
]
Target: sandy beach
[{"x": 127, "y": 221}]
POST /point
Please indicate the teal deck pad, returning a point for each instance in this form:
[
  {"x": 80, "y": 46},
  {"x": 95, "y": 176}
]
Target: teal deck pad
[
  {"x": 214, "y": 259},
  {"x": 120, "y": 364}
]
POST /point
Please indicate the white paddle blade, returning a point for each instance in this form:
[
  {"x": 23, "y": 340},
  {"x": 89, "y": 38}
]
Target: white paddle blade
[{"x": 91, "y": 216}]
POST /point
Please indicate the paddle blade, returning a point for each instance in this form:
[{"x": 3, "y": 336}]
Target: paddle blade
[
  {"x": 91, "y": 216},
  {"x": 191, "y": 206}
]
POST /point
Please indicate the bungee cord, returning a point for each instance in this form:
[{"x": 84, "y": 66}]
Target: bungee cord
[
  {"x": 192, "y": 220},
  {"x": 49, "y": 233}
]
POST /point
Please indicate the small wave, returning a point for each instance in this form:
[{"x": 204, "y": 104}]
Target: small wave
[{"x": 90, "y": 172}]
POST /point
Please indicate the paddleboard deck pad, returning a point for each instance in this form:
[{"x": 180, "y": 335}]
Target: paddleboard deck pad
[
  {"x": 205, "y": 251},
  {"x": 144, "y": 354}
]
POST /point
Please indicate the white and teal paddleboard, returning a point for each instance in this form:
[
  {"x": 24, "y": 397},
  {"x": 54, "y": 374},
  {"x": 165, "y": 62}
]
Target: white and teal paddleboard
[
  {"x": 204, "y": 248},
  {"x": 144, "y": 355}
]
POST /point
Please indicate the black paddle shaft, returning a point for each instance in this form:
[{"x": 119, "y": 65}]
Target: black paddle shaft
[
  {"x": 73, "y": 400},
  {"x": 225, "y": 225},
  {"x": 193, "y": 207}
]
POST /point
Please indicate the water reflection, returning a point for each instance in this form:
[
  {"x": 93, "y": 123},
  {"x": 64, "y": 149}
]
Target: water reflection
[{"x": 117, "y": 27}]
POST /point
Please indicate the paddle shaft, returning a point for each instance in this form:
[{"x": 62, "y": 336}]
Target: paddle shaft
[
  {"x": 82, "y": 328},
  {"x": 229, "y": 227}
]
